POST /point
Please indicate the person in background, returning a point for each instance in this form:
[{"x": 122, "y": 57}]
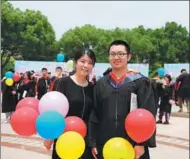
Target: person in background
[
  {"x": 58, "y": 75},
  {"x": 79, "y": 93},
  {"x": 165, "y": 105},
  {"x": 8, "y": 99},
  {"x": 49, "y": 75},
  {"x": 26, "y": 87},
  {"x": 182, "y": 88},
  {"x": 43, "y": 84}
]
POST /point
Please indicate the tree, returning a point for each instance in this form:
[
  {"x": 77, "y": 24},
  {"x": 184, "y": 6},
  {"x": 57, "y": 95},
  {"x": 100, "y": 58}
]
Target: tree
[{"x": 28, "y": 34}]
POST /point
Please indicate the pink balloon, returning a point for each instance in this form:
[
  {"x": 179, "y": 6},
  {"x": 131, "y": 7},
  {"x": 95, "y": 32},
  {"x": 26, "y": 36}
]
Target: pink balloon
[{"x": 54, "y": 101}]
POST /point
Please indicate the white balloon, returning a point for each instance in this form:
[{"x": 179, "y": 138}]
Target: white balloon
[{"x": 54, "y": 101}]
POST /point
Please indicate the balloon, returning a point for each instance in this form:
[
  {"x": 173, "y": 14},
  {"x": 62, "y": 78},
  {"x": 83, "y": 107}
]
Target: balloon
[
  {"x": 9, "y": 82},
  {"x": 118, "y": 148},
  {"x": 54, "y": 101},
  {"x": 16, "y": 77},
  {"x": 28, "y": 102},
  {"x": 140, "y": 125},
  {"x": 70, "y": 64},
  {"x": 50, "y": 125},
  {"x": 60, "y": 57},
  {"x": 161, "y": 72},
  {"x": 70, "y": 145},
  {"x": 76, "y": 124},
  {"x": 9, "y": 74},
  {"x": 23, "y": 121}
]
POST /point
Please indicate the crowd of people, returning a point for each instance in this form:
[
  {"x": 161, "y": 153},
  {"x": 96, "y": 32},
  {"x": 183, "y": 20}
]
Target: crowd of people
[{"x": 103, "y": 104}]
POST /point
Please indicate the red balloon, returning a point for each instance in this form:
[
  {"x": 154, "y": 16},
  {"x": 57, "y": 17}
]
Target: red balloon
[
  {"x": 16, "y": 77},
  {"x": 76, "y": 124},
  {"x": 23, "y": 121},
  {"x": 140, "y": 125},
  {"x": 28, "y": 102}
]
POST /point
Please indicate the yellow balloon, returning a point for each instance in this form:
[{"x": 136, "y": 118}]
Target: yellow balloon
[
  {"x": 9, "y": 82},
  {"x": 70, "y": 145},
  {"x": 118, "y": 148}
]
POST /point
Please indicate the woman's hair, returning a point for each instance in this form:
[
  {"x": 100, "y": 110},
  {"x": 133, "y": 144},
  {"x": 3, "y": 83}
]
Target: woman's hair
[
  {"x": 168, "y": 77},
  {"x": 78, "y": 54},
  {"x": 28, "y": 75}
]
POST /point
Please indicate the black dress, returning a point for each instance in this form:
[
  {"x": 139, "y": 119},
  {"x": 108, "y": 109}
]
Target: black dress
[
  {"x": 112, "y": 105},
  {"x": 26, "y": 90},
  {"x": 80, "y": 105},
  {"x": 8, "y": 99}
]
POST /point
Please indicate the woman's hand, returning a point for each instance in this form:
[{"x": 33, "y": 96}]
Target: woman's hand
[
  {"x": 47, "y": 144},
  {"x": 94, "y": 152},
  {"x": 139, "y": 151}
]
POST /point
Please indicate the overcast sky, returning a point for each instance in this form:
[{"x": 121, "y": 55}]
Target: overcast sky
[{"x": 64, "y": 15}]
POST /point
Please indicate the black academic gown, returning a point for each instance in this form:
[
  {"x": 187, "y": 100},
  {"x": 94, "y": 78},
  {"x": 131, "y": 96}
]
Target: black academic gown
[
  {"x": 8, "y": 99},
  {"x": 112, "y": 105},
  {"x": 26, "y": 90},
  {"x": 80, "y": 105},
  {"x": 165, "y": 106},
  {"x": 43, "y": 85}
]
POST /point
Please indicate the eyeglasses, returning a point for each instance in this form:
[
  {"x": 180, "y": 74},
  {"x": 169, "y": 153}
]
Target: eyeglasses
[{"x": 119, "y": 54}]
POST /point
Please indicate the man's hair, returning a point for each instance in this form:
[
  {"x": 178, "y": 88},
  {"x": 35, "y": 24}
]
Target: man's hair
[
  {"x": 183, "y": 70},
  {"x": 59, "y": 68},
  {"x": 120, "y": 42},
  {"x": 44, "y": 69}
]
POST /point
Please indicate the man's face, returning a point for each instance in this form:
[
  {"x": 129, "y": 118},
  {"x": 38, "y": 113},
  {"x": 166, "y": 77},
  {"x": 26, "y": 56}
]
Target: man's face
[
  {"x": 58, "y": 72},
  {"x": 44, "y": 73},
  {"x": 118, "y": 56}
]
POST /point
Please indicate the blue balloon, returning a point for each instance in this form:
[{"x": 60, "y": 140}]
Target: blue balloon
[
  {"x": 9, "y": 74},
  {"x": 50, "y": 125},
  {"x": 99, "y": 77},
  {"x": 161, "y": 72},
  {"x": 60, "y": 57}
]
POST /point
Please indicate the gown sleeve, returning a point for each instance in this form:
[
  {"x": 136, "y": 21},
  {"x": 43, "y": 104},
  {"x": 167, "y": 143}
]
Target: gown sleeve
[
  {"x": 146, "y": 100},
  {"x": 93, "y": 121}
]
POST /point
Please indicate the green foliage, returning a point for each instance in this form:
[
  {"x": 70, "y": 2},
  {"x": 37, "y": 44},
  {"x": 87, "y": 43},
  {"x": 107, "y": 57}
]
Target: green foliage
[
  {"x": 27, "y": 34},
  {"x": 169, "y": 44},
  {"x": 30, "y": 36}
]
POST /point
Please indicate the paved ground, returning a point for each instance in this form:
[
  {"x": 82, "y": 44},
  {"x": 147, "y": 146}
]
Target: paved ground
[{"x": 172, "y": 140}]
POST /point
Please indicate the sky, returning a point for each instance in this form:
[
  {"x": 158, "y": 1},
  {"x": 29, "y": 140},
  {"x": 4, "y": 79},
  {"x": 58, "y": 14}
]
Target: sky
[{"x": 64, "y": 15}]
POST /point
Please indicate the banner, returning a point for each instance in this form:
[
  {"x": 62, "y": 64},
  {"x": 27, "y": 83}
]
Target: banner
[
  {"x": 175, "y": 69},
  {"x": 99, "y": 69}
]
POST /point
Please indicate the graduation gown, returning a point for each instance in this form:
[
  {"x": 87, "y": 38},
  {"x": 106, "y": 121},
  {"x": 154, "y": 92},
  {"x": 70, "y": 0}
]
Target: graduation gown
[
  {"x": 42, "y": 86},
  {"x": 8, "y": 99},
  {"x": 165, "y": 106},
  {"x": 26, "y": 90},
  {"x": 80, "y": 105},
  {"x": 112, "y": 105}
]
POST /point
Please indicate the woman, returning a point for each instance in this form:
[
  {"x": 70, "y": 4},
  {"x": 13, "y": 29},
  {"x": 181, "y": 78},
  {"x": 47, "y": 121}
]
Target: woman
[
  {"x": 8, "y": 100},
  {"x": 79, "y": 93},
  {"x": 26, "y": 87}
]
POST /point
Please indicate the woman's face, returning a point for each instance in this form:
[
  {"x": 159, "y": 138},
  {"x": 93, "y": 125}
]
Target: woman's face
[
  {"x": 84, "y": 65},
  {"x": 25, "y": 76},
  {"x": 166, "y": 80}
]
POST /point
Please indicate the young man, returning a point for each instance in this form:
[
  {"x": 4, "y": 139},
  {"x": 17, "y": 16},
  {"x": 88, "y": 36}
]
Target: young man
[
  {"x": 58, "y": 75},
  {"x": 112, "y": 96},
  {"x": 43, "y": 84}
]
